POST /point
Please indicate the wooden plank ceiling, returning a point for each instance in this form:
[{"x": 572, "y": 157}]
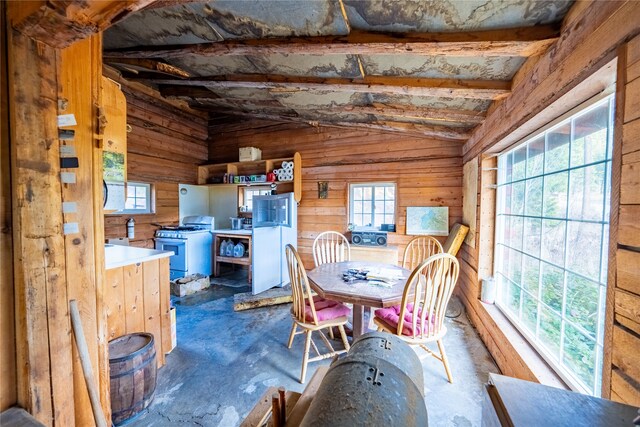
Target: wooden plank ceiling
[{"x": 425, "y": 68}]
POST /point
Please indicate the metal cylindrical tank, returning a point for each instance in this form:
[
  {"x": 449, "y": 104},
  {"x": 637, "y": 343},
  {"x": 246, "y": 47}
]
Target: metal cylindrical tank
[
  {"x": 372, "y": 386},
  {"x": 392, "y": 349}
]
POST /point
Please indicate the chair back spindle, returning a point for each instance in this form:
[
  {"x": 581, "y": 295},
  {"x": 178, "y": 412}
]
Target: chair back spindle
[
  {"x": 419, "y": 249},
  {"x": 331, "y": 246},
  {"x": 429, "y": 289},
  {"x": 300, "y": 288}
]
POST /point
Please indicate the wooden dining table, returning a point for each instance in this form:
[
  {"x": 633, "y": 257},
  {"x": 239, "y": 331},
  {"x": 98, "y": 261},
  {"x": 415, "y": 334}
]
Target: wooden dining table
[{"x": 327, "y": 281}]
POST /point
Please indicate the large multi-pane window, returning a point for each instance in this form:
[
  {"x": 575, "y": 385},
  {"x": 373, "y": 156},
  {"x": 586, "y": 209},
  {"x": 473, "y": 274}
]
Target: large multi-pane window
[
  {"x": 552, "y": 237},
  {"x": 372, "y": 204}
]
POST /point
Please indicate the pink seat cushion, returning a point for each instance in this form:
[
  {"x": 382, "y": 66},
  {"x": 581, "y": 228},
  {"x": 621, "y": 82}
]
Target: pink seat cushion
[
  {"x": 325, "y": 310},
  {"x": 391, "y": 315}
]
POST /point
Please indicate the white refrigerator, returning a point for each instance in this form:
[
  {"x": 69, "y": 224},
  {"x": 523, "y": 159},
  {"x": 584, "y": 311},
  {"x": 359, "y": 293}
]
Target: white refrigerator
[{"x": 275, "y": 225}]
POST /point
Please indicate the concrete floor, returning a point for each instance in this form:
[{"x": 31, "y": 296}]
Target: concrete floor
[{"x": 225, "y": 360}]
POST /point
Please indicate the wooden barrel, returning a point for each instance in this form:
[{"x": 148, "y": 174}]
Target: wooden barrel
[{"x": 132, "y": 361}]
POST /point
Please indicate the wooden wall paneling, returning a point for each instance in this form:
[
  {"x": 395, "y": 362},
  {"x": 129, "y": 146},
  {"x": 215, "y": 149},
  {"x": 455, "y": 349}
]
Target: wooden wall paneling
[
  {"x": 42, "y": 316},
  {"x": 624, "y": 291},
  {"x": 628, "y": 270},
  {"x": 8, "y": 388},
  {"x": 627, "y": 305},
  {"x": 152, "y": 318},
  {"x": 622, "y": 389},
  {"x": 114, "y": 302},
  {"x": 165, "y": 305},
  {"x": 133, "y": 298},
  {"x": 427, "y": 172},
  {"x": 78, "y": 87},
  {"x": 626, "y": 352}
]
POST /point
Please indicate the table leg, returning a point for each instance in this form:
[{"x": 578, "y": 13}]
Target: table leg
[{"x": 360, "y": 326}]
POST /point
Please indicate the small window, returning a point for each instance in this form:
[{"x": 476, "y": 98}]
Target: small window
[
  {"x": 372, "y": 204},
  {"x": 139, "y": 199},
  {"x": 249, "y": 192}
]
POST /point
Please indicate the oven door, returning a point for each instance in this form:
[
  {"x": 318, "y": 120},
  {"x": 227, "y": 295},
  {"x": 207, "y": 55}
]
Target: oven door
[{"x": 178, "y": 260}]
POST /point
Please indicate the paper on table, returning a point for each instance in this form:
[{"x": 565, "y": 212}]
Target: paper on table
[
  {"x": 381, "y": 283},
  {"x": 385, "y": 275}
]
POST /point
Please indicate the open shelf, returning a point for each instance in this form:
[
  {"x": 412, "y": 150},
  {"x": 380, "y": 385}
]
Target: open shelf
[{"x": 214, "y": 174}]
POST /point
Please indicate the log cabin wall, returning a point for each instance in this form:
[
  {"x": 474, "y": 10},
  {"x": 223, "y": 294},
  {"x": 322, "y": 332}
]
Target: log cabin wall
[
  {"x": 591, "y": 36},
  {"x": 427, "y": 172},
  {"x": 164, "y": 147},
  {"x": 625, "y": 348}
]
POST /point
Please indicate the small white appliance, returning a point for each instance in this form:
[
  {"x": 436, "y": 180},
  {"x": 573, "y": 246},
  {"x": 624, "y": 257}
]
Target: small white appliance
[
  {"x": 274, "y": 227},
  {"x": 191, "y": 244}
]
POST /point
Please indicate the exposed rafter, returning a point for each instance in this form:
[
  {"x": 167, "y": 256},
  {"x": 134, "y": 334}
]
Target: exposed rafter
[
  {"x": 529, "y": 41},
  {"x": 200, "y": 94},
  {"x": 444, "y": 88},
  {"x": 149, "y": 65},
  {"x": 439, "y": 132}
]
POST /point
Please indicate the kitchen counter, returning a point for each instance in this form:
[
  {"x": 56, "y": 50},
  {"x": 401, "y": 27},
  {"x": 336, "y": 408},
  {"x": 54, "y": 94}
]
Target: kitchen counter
[
  {"x": 232, "y": 232},
  {"x": 119, "y": 256}
]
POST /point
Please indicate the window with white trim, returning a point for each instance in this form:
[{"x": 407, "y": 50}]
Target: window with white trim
[
  {"x": 139, "y": 198},
  {"x": 372, "y": 204},
  {"x": 249, "y": 192},
  {"x": 552, "y": 235}
]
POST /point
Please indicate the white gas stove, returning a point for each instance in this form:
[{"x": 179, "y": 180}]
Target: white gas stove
[{"x": 191, "y": 244}]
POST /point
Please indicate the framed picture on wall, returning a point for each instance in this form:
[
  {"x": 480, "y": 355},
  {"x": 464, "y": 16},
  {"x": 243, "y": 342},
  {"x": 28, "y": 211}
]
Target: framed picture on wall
[{"x": 432, "y": 221}]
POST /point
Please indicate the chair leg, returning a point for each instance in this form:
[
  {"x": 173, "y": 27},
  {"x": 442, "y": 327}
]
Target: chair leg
[
  {"x": 331, "y": 332},
  {"x": 305, "y": 357},
  {"x": 293, "y": 334},
  {"x": 343, "y": 335},
  {"x": 445, "y": 361}
]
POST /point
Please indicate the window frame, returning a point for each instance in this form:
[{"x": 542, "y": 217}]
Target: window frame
[
  {"x": 242, "y": 201},
  {"x": 149, "y": 197},
  {"x": 558, "y": 366},
  {"x": 372, "y": 184}
]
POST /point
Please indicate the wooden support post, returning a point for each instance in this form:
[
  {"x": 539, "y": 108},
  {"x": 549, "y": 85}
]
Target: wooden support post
[{"x": 43, "y": 340}]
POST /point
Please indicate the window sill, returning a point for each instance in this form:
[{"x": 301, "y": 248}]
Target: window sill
[{"x": 536, "y": 364}]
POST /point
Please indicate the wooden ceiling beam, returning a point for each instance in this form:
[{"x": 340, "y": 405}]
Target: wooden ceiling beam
[
  {"x": 416, "y": 86},
  {"x": 60, "y": 23},
  {"x": 527, "y": 41},
  {"x": 199, "y": 94},
  {"x": 424, "y": 131}
]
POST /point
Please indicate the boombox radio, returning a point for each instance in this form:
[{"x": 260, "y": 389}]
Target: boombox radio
[{"x": 369, "y": 238}]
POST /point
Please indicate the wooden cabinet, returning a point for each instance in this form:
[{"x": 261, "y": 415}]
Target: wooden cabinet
[
  {"x": 137, "y": 299},
  {"x": 214, "y": 174}
]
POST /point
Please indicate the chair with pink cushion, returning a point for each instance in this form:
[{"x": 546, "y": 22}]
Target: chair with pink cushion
[
  {"x": 419, "y": 319},
  {"x": 312, "y": 314}
]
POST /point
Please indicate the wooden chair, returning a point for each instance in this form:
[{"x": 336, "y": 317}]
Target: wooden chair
[
  {"x": 331, "y": 246},
  {"x": 419, "y": 319},
  {"x": 312, "y": 315},
  {"x": 419, "y": 249}
]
